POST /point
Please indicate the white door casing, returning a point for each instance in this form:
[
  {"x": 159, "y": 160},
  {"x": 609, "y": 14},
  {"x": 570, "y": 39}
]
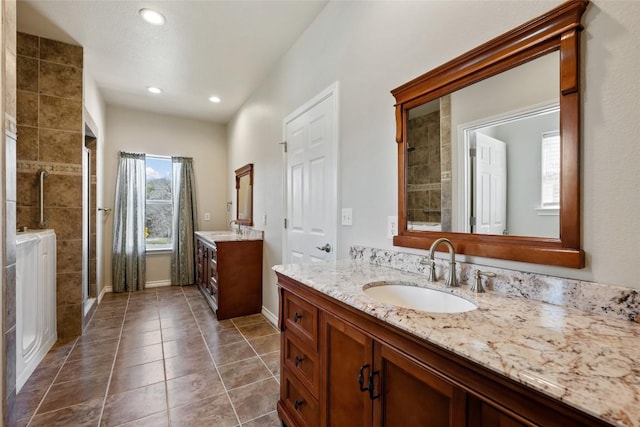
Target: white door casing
[
  {"x": 490, "y": 191},
  {"x": 311, "y": 189}
]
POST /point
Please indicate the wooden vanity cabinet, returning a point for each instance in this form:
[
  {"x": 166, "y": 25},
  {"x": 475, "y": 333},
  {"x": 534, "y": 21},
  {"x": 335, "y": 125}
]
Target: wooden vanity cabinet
[
  {"x": 342, "y": 367},
  {"x": 229, "y": 275}
]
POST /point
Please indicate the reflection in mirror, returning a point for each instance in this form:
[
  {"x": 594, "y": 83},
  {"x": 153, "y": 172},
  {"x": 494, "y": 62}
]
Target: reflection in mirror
[
  {"x": 244, "y": 195},
  {"x": 485, "y": 159}
]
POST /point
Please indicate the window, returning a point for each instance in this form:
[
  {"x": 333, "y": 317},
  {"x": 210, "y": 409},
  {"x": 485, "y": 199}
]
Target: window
[
  {"x": 159, "y": 223},
  {"x": 550, "y": 194}
]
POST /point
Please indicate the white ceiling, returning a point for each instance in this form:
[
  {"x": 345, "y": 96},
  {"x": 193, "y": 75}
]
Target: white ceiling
[{"x": 224, "y": 48}]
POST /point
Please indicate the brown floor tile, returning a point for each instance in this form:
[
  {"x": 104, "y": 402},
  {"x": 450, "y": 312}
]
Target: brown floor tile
[
  {"x": 160, "y": 419},
  {"x": 170, "y": 334},
  {"x": 131, "y": 340},
  {"x": 140, "y": 327},
  {"x": 86, "y": 367},
  {"x": 189, "y": 388},
  {"x": 269, "y": 420},
  {"x": 85, "y": 414},
  {"x": 225, "y": 354},
  {"x": 42, "y": 377},
  {"x": 213, "y": 411},
  {"x": 179, "y": 366},
  {"x": 92, "y": 349},
  {"x": 134, "y": 404},
  {"x": 258, "y": 330},
  {"x": 272, "y": 360},
  {"x": 266, "y": 344},
  {"x": 254, "y": 400},
  {"x": 248, "y": 320},
  {"x": 138, "y": 356},
  {"x": 28, "y": 400},
  {"x": 223, "y": 337},
  {"x": 184, "y": 347},
  {"x": 242, "y": 373},
  {"x": 124, "y": 379},
  {"x": 74, "y": 392}
]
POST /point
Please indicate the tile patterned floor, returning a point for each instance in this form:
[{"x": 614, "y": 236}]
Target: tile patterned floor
[{"x": 158, "y": 358}]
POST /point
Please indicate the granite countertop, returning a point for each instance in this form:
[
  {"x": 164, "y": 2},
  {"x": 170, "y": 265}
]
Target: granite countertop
[
  {"x": 588, "y": 361},
  {"x": 225, "y": 236}
]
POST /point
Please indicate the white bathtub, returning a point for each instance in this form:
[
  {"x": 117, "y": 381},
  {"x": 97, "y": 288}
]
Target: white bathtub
[{"x": 35, "y": 300}]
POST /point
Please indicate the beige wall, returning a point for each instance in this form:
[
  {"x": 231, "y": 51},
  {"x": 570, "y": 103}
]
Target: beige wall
[
  {"x": 373, "y": 47},
  {"x": 143, "y": 132}
]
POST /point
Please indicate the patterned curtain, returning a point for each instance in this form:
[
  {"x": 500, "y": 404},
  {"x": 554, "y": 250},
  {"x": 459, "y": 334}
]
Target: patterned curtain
[
  {"x": 128, "y": 224},
  {"x": 184, "y": 222}
]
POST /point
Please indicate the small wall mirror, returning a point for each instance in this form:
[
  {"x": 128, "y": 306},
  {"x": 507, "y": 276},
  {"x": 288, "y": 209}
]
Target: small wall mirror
[
  {"x": 488, "y": 146},
  {"x": 244, "y": 195}
]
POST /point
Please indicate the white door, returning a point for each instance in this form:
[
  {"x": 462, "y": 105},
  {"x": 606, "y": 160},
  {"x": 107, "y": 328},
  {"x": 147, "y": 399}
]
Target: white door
[
  {"x": 311, "y": 191},
  {"x": 490, "y": 185}
]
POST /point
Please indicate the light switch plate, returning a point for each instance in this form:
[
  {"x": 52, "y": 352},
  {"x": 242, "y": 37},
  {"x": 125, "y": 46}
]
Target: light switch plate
[
  {"x": 207, "y": 216},
  {"x": 392, "y": 227},
  {"x": 347, "y": 216}
]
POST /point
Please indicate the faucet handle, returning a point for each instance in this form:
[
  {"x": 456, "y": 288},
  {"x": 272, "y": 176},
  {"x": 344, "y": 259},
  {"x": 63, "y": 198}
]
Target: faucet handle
[
  {"x": 477, "y": 283},
  {"x": 431, "y": 270}
]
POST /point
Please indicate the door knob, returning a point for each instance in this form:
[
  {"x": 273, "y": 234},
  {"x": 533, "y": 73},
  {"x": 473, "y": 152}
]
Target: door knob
[{"x": 326, "y": 248}]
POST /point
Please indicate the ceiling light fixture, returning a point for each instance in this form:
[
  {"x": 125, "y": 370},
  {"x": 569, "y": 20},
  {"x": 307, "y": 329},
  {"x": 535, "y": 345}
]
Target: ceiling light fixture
[
  {"x": 214, "y": 99},
  {"x": 152, "y": 17},
  {"x": 154, "y": 89}
]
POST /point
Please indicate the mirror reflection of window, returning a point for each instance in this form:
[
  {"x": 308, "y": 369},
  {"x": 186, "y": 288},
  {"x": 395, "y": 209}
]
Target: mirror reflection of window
[
  {"x": 244, "y": 198},
  {"x": 550, "y": 198}
]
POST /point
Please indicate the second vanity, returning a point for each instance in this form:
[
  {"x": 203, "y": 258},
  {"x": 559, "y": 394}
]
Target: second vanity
[
  {"x": 229, "y": 272},
  {"x": 348, "y": 359}
]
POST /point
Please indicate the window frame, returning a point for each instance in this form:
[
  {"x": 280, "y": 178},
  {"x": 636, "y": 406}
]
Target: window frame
[
  {"x": 156, "y": 249},
  {"x": 549, "y": 207}
]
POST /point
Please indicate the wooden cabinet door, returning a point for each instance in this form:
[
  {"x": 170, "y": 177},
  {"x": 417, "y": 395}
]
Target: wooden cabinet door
[
  {"x": 347, "y": 353},
  {"x": 409, "y": 394},
  {"x": 482, "y": 414}
]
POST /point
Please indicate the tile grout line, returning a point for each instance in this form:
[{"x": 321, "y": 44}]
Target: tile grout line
[
  {"x": 113, "y": 363},
  {"x": 35, "y": 411},
  {"x": 256, "y": 352},
  {"x": 215, "y": 365},
  {"x": 164, "y": 364}
]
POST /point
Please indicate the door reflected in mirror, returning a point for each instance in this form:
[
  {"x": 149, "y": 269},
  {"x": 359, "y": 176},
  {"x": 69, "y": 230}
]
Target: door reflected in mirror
[
  {"x": 244, "y": 195},
  {"x": 486, "y": 159}
]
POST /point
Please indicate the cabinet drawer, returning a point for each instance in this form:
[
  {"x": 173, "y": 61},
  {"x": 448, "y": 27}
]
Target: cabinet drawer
[
  {"x": 301, "y": 319},
  {"x": 300, "y": 404},
  {"x": 301, "y": 363}
]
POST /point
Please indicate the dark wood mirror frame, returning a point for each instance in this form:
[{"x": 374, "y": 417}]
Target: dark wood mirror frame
[
  {"x": 557, "y": 30},
  {"x": 242, "y": 172}
]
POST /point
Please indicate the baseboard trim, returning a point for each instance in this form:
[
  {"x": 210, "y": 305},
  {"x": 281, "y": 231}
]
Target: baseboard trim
[
  {"x": 270, "y": 316},
  {"x": 154, "y": 284},
  {"x": 102, "y": 292}
]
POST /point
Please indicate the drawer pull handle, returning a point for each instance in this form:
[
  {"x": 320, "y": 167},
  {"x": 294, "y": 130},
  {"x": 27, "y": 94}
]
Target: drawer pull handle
[
  {"x": 297, "y": 360},
  {"x": 297, "y": 404},
  {"x": 297, "y": 316},
  {"x": 361, "y": 378}
]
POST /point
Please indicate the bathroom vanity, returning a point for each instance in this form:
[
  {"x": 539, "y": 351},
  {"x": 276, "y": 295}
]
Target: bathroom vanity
[
  {"x": 348, "y": 359},
  {"x": 229, "y": 272}
]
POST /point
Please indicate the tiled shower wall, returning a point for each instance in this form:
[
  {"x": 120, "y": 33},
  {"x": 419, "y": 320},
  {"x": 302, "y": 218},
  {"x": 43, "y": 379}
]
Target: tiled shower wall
[
  {"x": 50, "y": 137},
  {"x": 8, "y": 154}
]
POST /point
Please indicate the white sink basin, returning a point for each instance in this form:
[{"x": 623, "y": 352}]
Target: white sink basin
[{"x": 411, "y": 296}]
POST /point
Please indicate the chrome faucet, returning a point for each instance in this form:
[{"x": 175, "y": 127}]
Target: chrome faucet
[
  {"x": 451, "y": 281},
  {"x": 231, "y": 225}
]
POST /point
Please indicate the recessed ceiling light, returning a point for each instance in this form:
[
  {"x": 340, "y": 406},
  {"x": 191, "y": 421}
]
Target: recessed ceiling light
[
  {"x": 154, "y": 89},
  {"x": 214, "y": 99},
  {"x": 152, "y": 17}
]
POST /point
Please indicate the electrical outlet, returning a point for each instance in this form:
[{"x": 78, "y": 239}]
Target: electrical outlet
[
  {"x": 347, "y": 216},
  {"x": 392, "y": 226},
  {"x": 207, "y": 216}
]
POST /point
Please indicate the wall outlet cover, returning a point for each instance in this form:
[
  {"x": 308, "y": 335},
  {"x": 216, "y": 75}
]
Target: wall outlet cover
[
  {"x": 207, "y": 216},
  {"x": 392, "y": 227},
  {"x": 347, "y": 216}
]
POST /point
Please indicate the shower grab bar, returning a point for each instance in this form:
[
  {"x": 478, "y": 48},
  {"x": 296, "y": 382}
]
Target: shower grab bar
[{"x": 42, "y": 174}]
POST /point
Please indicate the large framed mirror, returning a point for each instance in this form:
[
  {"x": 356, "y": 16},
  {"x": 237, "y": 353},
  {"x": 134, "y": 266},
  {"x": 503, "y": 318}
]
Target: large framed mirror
[
  {"x": 489, "y": 147},
  {"x": 244, "y": 195}
]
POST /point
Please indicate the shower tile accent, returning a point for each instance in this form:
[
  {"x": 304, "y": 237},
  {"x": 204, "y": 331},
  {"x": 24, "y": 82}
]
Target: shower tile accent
[
  {"x": 592, "y": 297},
  {"x": 51, "y": 138}
]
